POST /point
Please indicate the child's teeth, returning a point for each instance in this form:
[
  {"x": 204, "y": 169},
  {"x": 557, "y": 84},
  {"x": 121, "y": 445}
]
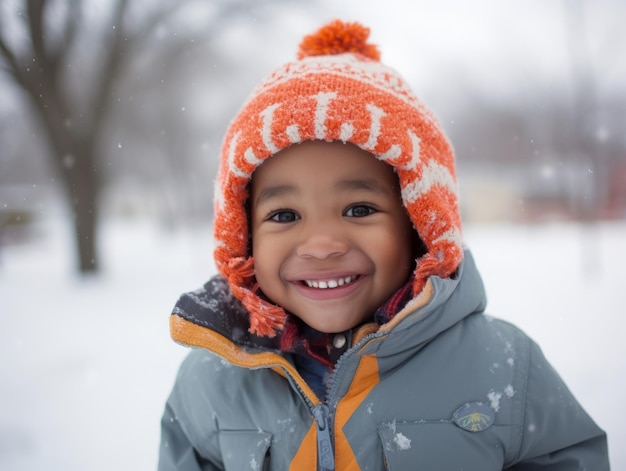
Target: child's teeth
[{"x": 329, "y": 283}]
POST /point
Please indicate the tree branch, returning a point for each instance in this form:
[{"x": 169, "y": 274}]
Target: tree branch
[
  {"x": 113, "y": 63},
  {"x": 9, "y": 57},
  {"x": 35, "y": 10},
  {"x": 72, "y": 18}
]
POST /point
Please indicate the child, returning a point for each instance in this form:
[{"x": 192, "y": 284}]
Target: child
[{"x": 345, "y": 329}]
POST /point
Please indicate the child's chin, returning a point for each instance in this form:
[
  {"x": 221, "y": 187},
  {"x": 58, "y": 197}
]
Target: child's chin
[{"x": 334, "y": 322}]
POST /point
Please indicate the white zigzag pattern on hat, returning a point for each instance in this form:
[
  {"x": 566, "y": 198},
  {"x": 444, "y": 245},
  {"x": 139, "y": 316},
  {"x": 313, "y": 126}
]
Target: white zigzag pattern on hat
[
  {"x": 432, "y": 174},
  {"x": 266, "y": 132},
  {"x": 346, "y": 131},
  {"x": 321, "y": 110},
  {"x": 232, "y": 146},
  {"x": 390, "y": 155},
  {"x": 415, "y": 153},
  {"x": 371, "y": 72},
  {"x": 293, "y": 133},
  {"x": 374, "y": 74},
  {"x": 452, "y": 235},
  {"x": 376, "y": 114},
  {"x": 251, "y": 158}
]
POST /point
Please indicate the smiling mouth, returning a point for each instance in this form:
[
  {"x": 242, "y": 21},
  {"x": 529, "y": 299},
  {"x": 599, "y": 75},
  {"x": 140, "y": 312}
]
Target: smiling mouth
[{"x": 332, "y": 283}]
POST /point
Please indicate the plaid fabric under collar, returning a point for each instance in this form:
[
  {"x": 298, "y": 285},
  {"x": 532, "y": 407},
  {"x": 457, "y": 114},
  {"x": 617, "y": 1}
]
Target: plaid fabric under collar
[{"x": 395, "y": 303}]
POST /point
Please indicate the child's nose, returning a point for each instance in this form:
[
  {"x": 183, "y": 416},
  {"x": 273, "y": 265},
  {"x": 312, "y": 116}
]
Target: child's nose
[{"x": 322, "y": 244}]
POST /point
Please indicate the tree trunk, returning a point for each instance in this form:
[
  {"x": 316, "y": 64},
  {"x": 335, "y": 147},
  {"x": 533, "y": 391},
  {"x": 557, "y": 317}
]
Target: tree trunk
[
  {"x": 83, "y": 190},
  {"x": 81, "y": 181}
]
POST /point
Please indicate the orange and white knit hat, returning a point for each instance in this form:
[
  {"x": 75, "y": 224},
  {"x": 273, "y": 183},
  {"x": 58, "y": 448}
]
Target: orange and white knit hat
[{"x": 336, "y": 90}]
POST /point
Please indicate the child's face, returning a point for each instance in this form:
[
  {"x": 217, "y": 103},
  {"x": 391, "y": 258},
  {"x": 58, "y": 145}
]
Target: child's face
[{"x": 330, "y": 237}]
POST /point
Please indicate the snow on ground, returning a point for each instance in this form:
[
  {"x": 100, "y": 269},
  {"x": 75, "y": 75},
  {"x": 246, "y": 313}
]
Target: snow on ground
[{"x": 86, "y": 364}]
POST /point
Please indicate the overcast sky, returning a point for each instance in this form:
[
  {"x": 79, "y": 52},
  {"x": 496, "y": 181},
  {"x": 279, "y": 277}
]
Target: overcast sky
[{"x": 496, "y": 44}]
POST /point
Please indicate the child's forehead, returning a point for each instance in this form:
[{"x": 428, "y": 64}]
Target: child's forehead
[
  {"x": 319, "y": 169},
  {"x": 318, "y": 153},
  {"x": 322, "y": 159}
]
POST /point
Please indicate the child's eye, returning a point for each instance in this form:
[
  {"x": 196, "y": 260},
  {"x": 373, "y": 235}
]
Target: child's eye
[
  {"x": 359, "y": 211},
  {"x": 283, "y": 216}
]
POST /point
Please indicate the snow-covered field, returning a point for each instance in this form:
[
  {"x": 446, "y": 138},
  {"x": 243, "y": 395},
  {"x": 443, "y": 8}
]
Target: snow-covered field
[{"x": 86, "y": 364}]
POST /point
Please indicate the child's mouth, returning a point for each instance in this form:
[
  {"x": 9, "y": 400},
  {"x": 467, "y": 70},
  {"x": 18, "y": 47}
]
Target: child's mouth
[{"x": 330, "y": 283}]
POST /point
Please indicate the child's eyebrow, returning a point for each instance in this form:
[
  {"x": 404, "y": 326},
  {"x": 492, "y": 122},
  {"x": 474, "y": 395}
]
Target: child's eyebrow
[
  {"x": 368, "y": 184},
  {"x": 270, "y": 192},
  {"x": 371, "y": 185}
]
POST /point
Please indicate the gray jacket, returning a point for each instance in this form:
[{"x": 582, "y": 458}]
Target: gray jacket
[{"x": 440, "y": 387}]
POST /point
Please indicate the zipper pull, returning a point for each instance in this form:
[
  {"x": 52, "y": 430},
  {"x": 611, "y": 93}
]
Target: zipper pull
[{"x": 325, "y": 453}]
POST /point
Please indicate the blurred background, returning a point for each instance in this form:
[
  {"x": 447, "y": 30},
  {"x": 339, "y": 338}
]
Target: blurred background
[{"x": 111, "y": 120}]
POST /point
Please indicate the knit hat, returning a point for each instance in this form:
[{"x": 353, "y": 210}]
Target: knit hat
[{"x": 336, "y": 90}]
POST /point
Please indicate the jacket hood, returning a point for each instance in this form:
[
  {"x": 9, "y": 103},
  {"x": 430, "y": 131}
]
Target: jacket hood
[{"x": 443, "y": 303}]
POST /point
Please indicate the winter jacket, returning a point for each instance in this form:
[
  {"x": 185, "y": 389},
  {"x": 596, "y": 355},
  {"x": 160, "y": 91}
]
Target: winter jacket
[{"x": 442, "y": 386}]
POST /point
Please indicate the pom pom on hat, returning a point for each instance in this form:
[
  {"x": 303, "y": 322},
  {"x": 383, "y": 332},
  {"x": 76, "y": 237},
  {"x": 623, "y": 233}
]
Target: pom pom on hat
[
  {"x": 338, "y": 37},
  {"x": 337, "y": 90}
]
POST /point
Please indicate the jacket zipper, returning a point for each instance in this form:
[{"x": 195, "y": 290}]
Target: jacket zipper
[
  {"x": 325, "y": 452},
  {"x": 321, "y": 415}
]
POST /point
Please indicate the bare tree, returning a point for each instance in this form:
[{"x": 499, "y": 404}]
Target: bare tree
[
  {"x": 73, "y": 109},
  {"x": 40, "y": 70}
]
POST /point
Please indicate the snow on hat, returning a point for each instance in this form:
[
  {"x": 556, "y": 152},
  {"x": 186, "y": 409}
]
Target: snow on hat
[{"x": 336, "y": 90}]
